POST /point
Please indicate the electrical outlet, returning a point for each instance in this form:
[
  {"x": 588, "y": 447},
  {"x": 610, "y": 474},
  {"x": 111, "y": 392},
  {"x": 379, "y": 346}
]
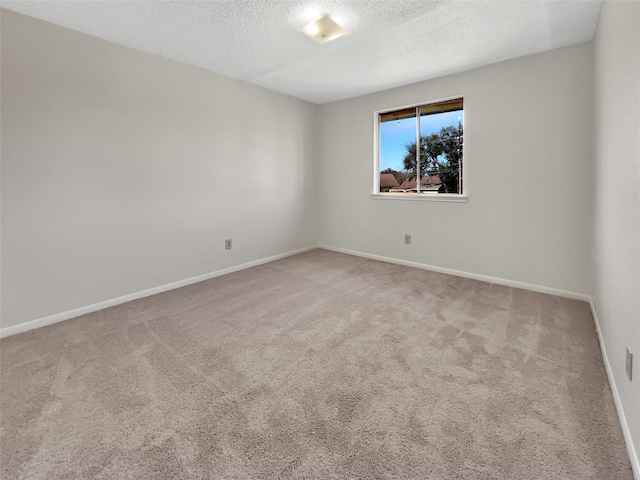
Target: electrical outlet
[
  {"x": 629, "y": 364},
  {"x": 227, "y": 244},
  {"x": 407, "y": 239}
]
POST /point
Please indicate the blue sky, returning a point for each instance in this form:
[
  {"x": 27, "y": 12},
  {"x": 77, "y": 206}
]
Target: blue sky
[{"x": 395, "y": 135}]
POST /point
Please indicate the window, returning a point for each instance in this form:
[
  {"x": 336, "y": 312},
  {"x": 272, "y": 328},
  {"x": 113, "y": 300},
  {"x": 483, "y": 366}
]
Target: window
[{"x": 435, "y": 168}]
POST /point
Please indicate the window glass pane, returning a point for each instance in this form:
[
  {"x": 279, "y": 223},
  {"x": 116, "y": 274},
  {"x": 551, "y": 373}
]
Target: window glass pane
[
  {"x": 441, "y": 136},
  {"x": 397, "y": 132}
]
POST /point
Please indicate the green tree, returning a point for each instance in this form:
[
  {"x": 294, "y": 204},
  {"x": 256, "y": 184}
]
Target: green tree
[
  {"x": 441, "y": 155},
  {"x": 430, "y": 149}
]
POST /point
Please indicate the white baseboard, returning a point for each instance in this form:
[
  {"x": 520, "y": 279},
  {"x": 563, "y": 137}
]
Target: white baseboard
[
  {"x": 59, "y": 317},
  {"x": 459, "y": 273},
  {"x": 626, "y": 433}
]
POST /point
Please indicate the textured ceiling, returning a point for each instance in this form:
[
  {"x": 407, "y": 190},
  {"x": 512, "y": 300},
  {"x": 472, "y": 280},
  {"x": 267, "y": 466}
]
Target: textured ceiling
[{"x": 392, "y": 42}]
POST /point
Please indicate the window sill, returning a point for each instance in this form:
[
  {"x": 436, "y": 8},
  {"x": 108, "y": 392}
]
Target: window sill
[{"x": 441, "y": 197}]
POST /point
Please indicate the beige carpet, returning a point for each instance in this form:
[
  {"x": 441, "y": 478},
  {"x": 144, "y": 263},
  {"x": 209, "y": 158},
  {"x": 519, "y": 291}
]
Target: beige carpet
[{"x": 320, "y": 365}]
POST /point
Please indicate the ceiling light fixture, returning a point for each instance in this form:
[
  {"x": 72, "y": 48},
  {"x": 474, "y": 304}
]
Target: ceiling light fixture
[{"x": 323, "y": 30}]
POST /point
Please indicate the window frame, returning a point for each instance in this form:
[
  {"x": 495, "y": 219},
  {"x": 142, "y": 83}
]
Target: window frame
[{"x": 440, "y": 197}]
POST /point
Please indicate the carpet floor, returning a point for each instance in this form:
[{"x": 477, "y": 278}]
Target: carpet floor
[{"x": 318, "y": 366}]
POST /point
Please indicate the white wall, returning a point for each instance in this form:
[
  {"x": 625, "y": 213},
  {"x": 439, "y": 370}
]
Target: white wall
[
  {"x": 528, "y": 173},
  {"x": 616, "y": 225},
  {"x": 122, "y": 171}
]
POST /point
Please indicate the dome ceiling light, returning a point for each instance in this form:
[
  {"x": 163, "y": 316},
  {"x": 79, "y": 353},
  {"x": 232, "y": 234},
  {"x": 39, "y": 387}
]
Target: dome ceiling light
[{"x": 323, "y": 30}]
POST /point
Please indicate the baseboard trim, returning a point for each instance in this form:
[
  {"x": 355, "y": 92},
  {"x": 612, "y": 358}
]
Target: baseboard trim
[
  {"x": 59, "y": 317},
  {"x": 626, "y": 433},
  {"x": 460, "y": 273}
]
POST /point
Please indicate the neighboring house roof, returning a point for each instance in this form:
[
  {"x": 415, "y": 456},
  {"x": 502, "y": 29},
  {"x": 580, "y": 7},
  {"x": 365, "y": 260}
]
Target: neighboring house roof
[
  {"x": 432, "y": 180},
  {"x": 387, "y": 180}
]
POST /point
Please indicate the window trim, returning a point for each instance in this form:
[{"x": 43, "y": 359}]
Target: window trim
[
  {"x": 441, "y": 197},
  {"x": 376, "y": 194}
]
